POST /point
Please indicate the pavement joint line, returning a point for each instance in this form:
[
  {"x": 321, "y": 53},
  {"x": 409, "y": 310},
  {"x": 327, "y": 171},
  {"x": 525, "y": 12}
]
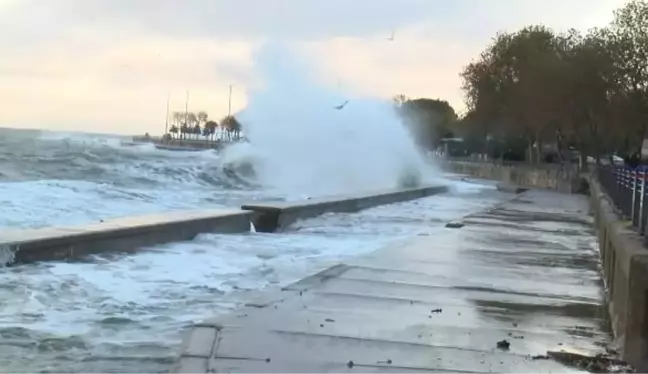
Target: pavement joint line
[
  {"x": 416, "y": 344},
  {"x": 419, "y": 368},
  {"x": 214, "y": 351},
  {"x": 465, "y": 288},
  {"x": 317, "y": 278}
]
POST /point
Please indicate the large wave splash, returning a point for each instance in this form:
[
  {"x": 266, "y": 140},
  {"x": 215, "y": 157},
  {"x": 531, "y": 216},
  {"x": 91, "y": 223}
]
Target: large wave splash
[{"x": 300, "y": 143}]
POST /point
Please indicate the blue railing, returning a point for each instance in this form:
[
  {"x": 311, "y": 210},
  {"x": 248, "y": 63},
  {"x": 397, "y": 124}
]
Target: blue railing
[{"x": 628, "y": 190}]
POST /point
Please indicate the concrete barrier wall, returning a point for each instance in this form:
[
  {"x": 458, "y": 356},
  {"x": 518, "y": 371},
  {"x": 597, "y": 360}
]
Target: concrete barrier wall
[
  {"x": 118, "y": 235},
  {"x": 624, "y": 259},
  {"x": 522, "y": 175},
  {"x": 269, "y": 217}
]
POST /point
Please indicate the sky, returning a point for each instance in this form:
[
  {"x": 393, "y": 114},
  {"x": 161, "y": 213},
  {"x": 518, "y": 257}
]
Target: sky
[{"x": 109, "y": 65}]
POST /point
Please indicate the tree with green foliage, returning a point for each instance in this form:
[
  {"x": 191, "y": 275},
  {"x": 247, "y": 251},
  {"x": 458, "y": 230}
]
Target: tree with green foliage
[
  {"x": 629, "y": 37},
  {"x": 430, "y": 120},
  {"x": 588, "y": 90}
]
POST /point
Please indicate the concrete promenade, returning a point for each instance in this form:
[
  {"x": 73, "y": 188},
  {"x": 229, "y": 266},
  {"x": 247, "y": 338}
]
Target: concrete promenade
[{"x": 524, "y": 272}]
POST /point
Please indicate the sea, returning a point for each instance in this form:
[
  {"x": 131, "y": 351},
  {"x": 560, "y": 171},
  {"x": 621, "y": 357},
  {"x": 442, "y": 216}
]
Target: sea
[{"x": 128, "y": 312}]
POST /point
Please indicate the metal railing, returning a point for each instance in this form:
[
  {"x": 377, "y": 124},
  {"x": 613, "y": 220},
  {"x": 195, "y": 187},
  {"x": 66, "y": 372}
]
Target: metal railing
[
  {"x": 627, "y": 189},
  {"x": 574, "y": 167}
]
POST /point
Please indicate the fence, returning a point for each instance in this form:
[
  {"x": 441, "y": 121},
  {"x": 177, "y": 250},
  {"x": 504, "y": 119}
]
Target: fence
[
  {"x": 627, "y": 189},
  {"x": 522, "y": 164}
]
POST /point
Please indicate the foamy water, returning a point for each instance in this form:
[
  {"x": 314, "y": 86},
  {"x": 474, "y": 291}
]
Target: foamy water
[{"x": 126, "y": 313}]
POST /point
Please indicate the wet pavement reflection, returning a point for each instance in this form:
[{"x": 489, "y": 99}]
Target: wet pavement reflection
[{"x": 517, "y": 280}]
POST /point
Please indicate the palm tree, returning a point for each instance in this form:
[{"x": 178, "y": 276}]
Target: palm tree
[
  {"x": 206, "y": 132},
  {"x": 174, "y": 130},
  {"x": 236, "y": 127},
  {"x": 177, "y": 118},
  {"x": 211, "y": 126},
  {"x": 231, "y": 125},
  {"x": 225, "y": 126},
  {"x": 202, "y": 117},
  {"x": 197, "y": 131},
  {"x": 184, "y": 130},
  {"x": 192, "y": 122}
]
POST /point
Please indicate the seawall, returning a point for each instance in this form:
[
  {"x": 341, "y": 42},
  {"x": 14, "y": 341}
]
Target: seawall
[
  {"x": 624, "y": 259},
  {"x": 270, "y": 217},
  {"x": 131, "y": 233},
  {"x": 118, "y": 235},
  {"x": 523, "y": 175}
]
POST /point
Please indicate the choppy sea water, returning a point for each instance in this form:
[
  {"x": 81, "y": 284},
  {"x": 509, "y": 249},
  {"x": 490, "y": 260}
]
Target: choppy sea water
[
  {"x": 126, "y": 313},
  {"x": 51, "y": 178}
]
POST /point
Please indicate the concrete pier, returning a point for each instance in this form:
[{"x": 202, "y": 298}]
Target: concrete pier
[{"x": 524, "y": 272}]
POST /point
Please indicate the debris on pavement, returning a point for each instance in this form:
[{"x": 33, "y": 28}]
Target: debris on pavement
[
  {"x": 454, "y": 225},
  {"x": 503, "y": 344},
  {"x": 600, "y": 363}
]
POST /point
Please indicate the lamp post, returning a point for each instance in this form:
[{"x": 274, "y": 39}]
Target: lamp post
[{"x": 229, "y": 107}]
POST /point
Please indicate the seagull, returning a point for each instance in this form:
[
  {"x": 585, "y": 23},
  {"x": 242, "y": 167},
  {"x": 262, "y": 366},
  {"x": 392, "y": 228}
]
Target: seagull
[
  {"x": 391, "y": 38},
  {"x": 342, "y": 105}
]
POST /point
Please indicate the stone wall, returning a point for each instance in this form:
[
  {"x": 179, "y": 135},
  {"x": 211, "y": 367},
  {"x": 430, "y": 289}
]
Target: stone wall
[
  {"x": 624, "y": 259},
  {"x": 531, "y": 176}
]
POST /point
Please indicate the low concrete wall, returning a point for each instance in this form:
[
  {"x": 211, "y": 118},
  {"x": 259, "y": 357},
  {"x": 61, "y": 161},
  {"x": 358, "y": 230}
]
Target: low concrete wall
[
  {"x": 118, "y": 235},
  {"x": 624, "y": 259},
  {"x": 269, "y": 217},
  {"x": 521, "y": 175}
]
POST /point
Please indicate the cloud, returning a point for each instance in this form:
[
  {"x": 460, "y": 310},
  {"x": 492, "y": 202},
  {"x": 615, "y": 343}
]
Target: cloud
[
  {"x": 107, "y": 65},
  {"x": 426, "y": 59},
  {"x": 411, "y": 65},
  {"x": 121, "y": 84},
  {"x": 242, "y": 18}
]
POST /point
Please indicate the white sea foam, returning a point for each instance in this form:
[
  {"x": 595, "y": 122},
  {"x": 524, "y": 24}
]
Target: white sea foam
[{"x": 301, "y": 144}]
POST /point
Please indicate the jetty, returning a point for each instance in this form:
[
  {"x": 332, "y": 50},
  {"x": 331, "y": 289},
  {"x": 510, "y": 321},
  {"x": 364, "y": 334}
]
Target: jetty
[{"x": 166, "y": 142}]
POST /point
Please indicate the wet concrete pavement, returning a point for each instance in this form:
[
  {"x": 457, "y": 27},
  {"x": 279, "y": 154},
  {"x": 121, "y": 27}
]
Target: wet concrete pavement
[{"x": 525, "y": 271}]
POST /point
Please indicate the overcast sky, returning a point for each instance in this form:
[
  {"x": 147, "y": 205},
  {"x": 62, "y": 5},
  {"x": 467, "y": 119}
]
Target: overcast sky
[{"x": 107, "y": 65}]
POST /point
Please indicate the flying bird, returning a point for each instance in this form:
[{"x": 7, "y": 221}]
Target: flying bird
[
  {"x": 391, "y": 38},
  {"x": 342, "y": 105}
]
